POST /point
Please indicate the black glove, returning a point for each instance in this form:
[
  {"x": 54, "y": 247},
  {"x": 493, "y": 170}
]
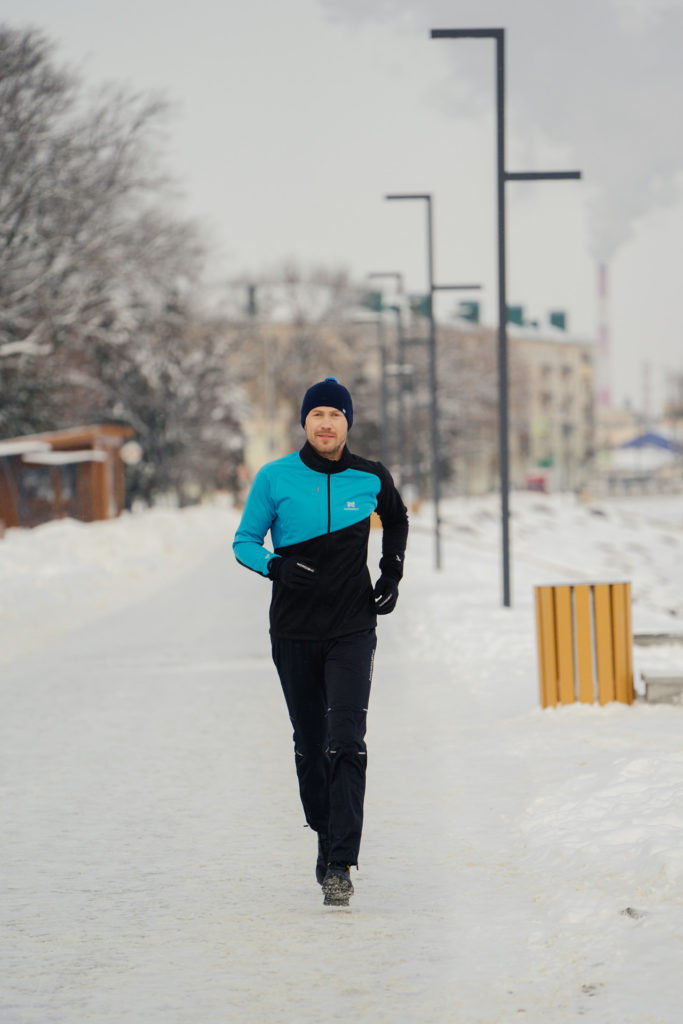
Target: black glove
[
  {"x": 385, "y": 595},
  {"x": 293, "y": 572}
]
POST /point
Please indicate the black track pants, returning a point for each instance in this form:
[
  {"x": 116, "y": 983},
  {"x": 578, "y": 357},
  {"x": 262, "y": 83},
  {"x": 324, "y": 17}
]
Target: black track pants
[{"x": 327, "y": 687}]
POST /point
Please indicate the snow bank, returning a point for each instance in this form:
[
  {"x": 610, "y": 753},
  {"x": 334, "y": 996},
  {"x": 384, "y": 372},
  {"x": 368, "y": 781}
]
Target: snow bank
[
  {"x": 65, "y": 573},
  {"x": 516, "y": 863}
]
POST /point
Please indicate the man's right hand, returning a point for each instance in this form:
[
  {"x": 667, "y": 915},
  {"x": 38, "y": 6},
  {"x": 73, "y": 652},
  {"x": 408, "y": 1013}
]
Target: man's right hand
[{"x": 294, "y": 572}]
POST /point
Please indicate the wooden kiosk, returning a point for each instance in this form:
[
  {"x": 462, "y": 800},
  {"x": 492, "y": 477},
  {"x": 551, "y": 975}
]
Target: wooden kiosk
[{"x": 76, "y": 473}]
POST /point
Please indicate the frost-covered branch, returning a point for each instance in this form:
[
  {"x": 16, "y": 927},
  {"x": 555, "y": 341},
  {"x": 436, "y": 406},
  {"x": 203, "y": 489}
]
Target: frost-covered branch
[{"x": 100, "y": 284}]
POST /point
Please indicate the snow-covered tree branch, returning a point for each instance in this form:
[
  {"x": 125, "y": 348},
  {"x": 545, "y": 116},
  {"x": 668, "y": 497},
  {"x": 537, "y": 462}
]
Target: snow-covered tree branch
[{"x": 100, "y": 282}]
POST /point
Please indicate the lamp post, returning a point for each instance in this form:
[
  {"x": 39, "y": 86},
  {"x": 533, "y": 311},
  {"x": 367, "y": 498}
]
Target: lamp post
[
  {"x": 498, "y": 34},
  {"x": 397, "y": 276},
  {"x": 427, "y": 198},
  {"x": 383, "y": 397},
  {"x": 373, "y": 302}
]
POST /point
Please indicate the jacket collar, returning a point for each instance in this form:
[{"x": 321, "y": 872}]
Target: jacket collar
[{"x": 310, "y": 458}]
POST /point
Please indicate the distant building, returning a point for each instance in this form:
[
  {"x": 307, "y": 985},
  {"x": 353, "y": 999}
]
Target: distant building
[
  {"x": 551, "y": 406},
  {"x": 649, "y": 462},
  {"x": 554, "y": 430},
  {"x": 551, "y": 397}
]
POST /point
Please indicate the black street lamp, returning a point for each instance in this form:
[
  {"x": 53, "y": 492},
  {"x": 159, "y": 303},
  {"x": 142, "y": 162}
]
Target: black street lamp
[
  {"x": 373, "y": 301},
  {"x": 397, "y": 276},
  {"x": 383, "y": 395},
  {"x": 498, "y": 34},
  {"x": 436, "y": 488}
]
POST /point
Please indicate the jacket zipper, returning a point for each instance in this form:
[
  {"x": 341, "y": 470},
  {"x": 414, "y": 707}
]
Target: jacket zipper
[{"x": 329, "y": 502}]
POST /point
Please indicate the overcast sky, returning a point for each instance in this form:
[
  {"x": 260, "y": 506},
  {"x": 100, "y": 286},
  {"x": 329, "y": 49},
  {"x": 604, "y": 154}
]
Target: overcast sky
[{"x": 293, "y": 118}]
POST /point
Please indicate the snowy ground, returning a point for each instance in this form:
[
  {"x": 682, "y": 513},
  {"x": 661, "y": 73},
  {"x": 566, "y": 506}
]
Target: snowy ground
[{"x": 517, "y": 864}]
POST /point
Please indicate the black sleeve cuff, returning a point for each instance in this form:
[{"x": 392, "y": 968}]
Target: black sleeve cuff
[{"x": 392, "y": 566}]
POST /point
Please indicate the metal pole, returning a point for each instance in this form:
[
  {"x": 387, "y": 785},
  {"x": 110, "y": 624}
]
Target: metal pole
[
  {"x": 400, "y": 425},
  {"x": 432, "y": 369},
  {"x": 383, "y": 401},
  {"x": 433, "y": 389},
  {"x": 498, "y": 34},
  {"x": 503, "y": 429},
  {"x": 432, "y": 363}
]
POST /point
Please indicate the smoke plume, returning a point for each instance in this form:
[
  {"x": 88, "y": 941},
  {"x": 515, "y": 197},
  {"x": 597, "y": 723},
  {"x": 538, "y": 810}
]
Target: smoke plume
[{"x": 598, "y": 80}]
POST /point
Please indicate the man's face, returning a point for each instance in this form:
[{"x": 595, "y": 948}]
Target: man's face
[{"x": 326, "y": 429}]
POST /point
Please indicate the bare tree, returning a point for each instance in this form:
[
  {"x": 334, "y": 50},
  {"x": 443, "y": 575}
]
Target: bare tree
[
  {"x": 70, "y": 180},
  {"x": 100, "y": 312}
]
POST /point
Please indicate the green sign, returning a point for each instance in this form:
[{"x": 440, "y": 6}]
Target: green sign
[
  {"x": 420, "y": 305},
  {"x": 373, "y": 301},
  {"x": 469, "y": 311}
]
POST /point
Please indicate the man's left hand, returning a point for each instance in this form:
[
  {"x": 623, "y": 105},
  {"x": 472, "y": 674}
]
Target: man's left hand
[{"x": 385, "y": 595}]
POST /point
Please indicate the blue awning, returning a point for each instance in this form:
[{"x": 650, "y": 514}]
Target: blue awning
[{"x": 652, "y": 440}]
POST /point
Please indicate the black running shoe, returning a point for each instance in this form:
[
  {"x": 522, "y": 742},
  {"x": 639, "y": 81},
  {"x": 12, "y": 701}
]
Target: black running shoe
[
  {"x": 337, "y": 886},
  {"x": 321, "y": 863}
]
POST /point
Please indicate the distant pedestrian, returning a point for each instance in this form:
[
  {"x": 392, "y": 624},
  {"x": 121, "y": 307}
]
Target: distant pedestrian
[{"x": 317, "y": 505}]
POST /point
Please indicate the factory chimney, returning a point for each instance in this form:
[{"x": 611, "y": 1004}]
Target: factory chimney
[{"x": 603, "y": 373}]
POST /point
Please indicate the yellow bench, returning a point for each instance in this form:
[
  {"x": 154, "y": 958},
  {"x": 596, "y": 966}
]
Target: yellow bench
[{"x": 585, "y": 643}]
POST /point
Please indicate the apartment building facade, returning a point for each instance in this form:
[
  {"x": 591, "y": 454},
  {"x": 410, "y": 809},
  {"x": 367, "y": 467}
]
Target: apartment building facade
[
  {"x": 551, "y": 399},
  {"x": 553, "y": 439}
]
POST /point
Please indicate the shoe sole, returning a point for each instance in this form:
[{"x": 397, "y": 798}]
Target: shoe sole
[
  {"x": 338, "y": 891},
  {"x": 327, "y": 902}
]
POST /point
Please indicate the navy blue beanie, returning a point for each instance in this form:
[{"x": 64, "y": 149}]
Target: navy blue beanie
[{"x": 327, "y": 392}]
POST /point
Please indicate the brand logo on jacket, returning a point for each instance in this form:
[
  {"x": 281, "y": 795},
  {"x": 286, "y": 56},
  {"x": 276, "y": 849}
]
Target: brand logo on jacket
[{"x": 350, "y": 506}]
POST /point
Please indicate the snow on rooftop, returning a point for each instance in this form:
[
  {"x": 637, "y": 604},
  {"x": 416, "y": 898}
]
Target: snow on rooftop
[
  {"x": 65, "y": 458},
  {"x": 10, "y": 448}
]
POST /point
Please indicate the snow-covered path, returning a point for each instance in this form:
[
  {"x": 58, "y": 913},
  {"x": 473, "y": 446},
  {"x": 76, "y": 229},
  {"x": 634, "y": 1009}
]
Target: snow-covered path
[{"x": 516, "y": 864}]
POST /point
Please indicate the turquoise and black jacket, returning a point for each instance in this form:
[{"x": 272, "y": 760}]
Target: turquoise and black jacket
[{"x": 320, "y": 510}]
